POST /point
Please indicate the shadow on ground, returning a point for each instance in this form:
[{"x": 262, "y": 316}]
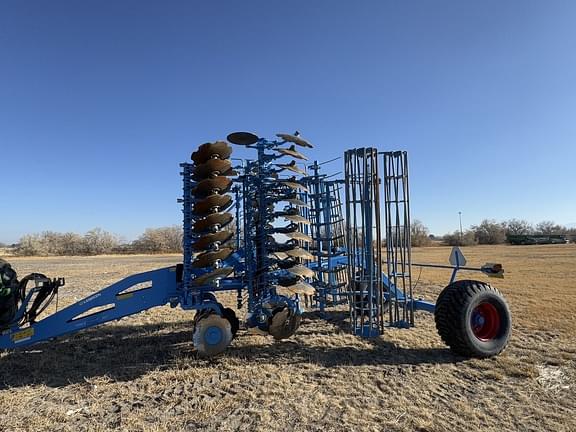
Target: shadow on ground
[{"x": 126, "y": 352}]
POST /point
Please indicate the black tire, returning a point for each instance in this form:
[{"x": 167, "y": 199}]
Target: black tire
[{"x": 473, "y": 319}]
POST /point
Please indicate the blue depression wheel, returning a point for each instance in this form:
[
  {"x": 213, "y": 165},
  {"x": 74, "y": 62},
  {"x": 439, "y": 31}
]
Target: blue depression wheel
[{"x": 212, "y": 335}]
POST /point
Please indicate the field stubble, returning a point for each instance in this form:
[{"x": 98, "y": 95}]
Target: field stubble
[{"x": 141, "y": 373}]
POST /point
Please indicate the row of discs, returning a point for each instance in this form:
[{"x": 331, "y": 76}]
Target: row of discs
[
  {"x": 290, "y": 254},
  {"x": 275, "y": 252},
  {"x": 211, "y": 174}
]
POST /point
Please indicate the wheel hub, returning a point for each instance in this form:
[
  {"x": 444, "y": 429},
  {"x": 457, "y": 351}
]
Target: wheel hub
[
  {"x": 485, "y": 321},
  {"x": 213, "y": 336}
]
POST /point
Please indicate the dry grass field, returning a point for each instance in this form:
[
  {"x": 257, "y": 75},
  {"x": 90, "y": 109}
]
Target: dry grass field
[{"x": 141, "y": 373}]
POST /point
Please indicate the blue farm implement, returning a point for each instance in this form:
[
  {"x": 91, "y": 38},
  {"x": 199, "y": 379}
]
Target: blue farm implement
[{"x": 281, "y": 235}]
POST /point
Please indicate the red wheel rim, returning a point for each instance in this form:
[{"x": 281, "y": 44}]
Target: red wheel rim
[{"x": 485, "y": 321}]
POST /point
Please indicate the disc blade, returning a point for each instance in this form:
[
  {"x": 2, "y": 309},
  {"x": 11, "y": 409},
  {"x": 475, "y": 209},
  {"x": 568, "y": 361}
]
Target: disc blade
[
  {"x": 302, "y": 288},
  {"x": 300, "y": 253},
  {"x": 279, "y": 317},
  {"x": 207, "y": 151},
  {"x": 212, "y": 204},
  {"x": 297, "y": 202},
  {"x": 299, "y": 236},
  {"x": 292, "y": 167},
  {"x": 211, "y": 222},
  {"x": 209, "y": 278},
  {"x": 289, "y": 280},
  {"x": 301, "y": 270},
  {"x": 212, "y": 168},
  {"x": 280, "y": 290},
  {"x": 295, "y": 139},
  {"x": 294, "y": 185},
  {"x": 291, "y": 151},
  {"x": 209, "y": 258},
  {"x": 242, "y": 138},
  {"x": 285, "y": 230},
  {"x": 280, "y": 255},
  {"x": 208, "y": 240},
  {"x": 297, "y": 219},
  {"x": 283, "y": 324},
  {"x": 212, "y": 186}
]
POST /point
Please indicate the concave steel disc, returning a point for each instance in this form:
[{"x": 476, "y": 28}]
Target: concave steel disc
[
  {"x": 294, "y": 185},
  {"x": 212, "y": 204},
  {"x": 283, "y": 324},
  {"x": 278, "y": 320},
  {"x": 242, "y": 138},
  {"x": 211, "y": 186},
  {"x": 302, "y": 288},
  {"x": 207, "y": 151},
  {"x": 297, "y": 219},
  {"x": 295, "y": 139},
  {"x": 208, "y": 240},
  {"x": 211, "y": 222},
  {"x": 291, "y": 151},
  {"x": 297, "y": 202},
  {"x": 287, "y": 229},
  {"x": 213, "y": 168},
  {"x": 288, "y": 211},
  {"x": 299, "y": 253},
  {"x": 279, "y": 255},
  {"x": 209, "y": 258},
  {"x": 292, "y": 167},
  {"x": 299, "y": 236},
  {"x": 209, "y": 278},
  {"x": 301, "y": 270}
]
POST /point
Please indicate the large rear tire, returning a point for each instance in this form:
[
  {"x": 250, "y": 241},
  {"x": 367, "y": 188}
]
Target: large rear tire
[{"x": 473, "y": 319}]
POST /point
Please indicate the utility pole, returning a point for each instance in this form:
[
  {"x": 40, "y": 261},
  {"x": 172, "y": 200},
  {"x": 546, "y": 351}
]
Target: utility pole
[{"x": 461, "y": 234}]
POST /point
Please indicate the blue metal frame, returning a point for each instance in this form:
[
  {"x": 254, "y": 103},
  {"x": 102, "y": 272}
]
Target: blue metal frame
[
  {"x": 418, "y": 304},
  {"x": 161, "y": 287}
]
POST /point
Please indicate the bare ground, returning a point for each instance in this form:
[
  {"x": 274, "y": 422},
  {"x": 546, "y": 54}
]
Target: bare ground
[{"x": 141, "y": 373}]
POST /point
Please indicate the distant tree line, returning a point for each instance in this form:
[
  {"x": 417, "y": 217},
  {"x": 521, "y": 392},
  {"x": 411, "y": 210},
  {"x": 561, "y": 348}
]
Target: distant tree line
[
  {"x": 169, "y": 239},
  {"x": 99, "y": 242},
  {"x": 490, "y": 231}
]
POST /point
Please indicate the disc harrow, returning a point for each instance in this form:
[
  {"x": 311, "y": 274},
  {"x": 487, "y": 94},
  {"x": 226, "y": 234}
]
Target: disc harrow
[{"x": 276, "y": 230}]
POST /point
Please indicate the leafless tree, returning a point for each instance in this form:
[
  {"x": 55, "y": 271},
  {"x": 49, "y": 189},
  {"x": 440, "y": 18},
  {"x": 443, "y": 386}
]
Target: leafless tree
[
  {"x": 468, "y": 238},
  {"x": 419, "y": 234},
  {"x": 518, "y": 227},
  {"x": 549, "y": 228},
  {"x": 490, "y": 232},
  {"x": 157, "y": 240}
]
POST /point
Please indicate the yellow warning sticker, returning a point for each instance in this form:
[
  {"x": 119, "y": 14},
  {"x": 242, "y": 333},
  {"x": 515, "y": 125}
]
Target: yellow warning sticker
[{"x": 23, "y": 335}]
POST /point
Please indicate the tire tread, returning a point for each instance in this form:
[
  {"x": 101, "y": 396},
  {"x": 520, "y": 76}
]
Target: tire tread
[{"x": 450, "y": 306}]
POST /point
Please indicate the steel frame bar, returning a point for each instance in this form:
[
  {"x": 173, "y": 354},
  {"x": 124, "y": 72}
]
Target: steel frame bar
[{"x": 161, "y": 287}]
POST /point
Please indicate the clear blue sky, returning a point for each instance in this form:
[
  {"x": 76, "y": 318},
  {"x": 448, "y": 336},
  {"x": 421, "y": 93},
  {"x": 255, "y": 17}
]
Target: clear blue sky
[{"x": 100, "y": 101}]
